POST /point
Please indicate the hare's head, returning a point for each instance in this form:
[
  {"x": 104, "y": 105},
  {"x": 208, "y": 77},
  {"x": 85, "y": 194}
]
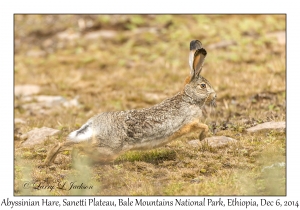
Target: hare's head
[{"x": 198, "y": 90}]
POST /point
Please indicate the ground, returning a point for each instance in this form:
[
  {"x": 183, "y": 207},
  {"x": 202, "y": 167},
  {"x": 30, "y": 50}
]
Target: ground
[{"x": 121, "y": 62}]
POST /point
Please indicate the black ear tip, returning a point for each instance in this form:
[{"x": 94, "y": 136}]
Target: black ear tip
[
  {"x": 195, "y": 44},
  {"x": 201, "y": 51}
]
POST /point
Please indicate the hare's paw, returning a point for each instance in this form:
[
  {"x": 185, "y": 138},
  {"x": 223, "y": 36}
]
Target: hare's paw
[
  {"x": 52, "y": 154},
  {"x": 203, "y": 132},
  {"x": 202, "y": 136}
]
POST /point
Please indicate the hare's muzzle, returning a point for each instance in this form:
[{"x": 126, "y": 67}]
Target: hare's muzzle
[{"x": 212, "y": 99}]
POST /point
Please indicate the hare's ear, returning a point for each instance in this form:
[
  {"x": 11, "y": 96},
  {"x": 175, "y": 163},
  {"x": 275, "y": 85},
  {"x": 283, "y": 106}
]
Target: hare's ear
[
  {"x": 196, "y": 57},
  {"x": 194, "y": 45},
  {"x": 199, "y": 57}
]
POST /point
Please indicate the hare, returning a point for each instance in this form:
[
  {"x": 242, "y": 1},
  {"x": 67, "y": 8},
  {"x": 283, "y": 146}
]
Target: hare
[{"x": 113, "y": 133}]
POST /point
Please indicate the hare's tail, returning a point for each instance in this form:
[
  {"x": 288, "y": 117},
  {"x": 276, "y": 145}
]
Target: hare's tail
[{"x": 84, "y": 133}]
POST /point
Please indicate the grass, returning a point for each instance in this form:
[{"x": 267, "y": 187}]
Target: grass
[{"x": 142, "y": 63}]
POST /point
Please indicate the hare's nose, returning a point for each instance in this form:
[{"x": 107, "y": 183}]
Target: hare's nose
[{"x": 214, "y": 95}]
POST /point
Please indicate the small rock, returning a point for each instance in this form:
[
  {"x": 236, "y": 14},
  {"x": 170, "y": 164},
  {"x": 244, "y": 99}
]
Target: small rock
[
  {"x": 219, "y": 141},
  {"x": 194, "y": 143},
  {"x": 33, "y": 107},
  {"x": 140, "y": 30},
  {"x": 38, "y": 135},
  {"x": 19, "y": 121},
  {"x": 42, "y": 101},
  {"x": 279, "y": 35},
  {"x": 24, "y": 137},
  {"x": 68, "y": 35},
  {"x": 36, "y": 53},
  {"x": 107, "y": 34},
  {"x": 72, "y": 103},
  {"x": 50, "y": 100},
  {"x": 267, "y": 126},
  {"x": 26, "y": 90},
  {"x": 215, "y": 141}
]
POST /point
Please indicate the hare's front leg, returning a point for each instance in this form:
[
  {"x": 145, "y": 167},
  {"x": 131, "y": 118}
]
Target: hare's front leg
[{"x": 194, "y": 126}]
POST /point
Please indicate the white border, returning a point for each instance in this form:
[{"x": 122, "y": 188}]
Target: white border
[{"x": 8, "y": 8}]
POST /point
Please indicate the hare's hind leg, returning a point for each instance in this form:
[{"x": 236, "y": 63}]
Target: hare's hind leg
[
  {"x": 194, "y": 126},
  {"x": 59, "y": 147},
  {"x": 52, "y": 154}
]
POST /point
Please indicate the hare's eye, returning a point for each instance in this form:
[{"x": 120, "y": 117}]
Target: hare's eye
[{"x": 203, "y": 85}]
